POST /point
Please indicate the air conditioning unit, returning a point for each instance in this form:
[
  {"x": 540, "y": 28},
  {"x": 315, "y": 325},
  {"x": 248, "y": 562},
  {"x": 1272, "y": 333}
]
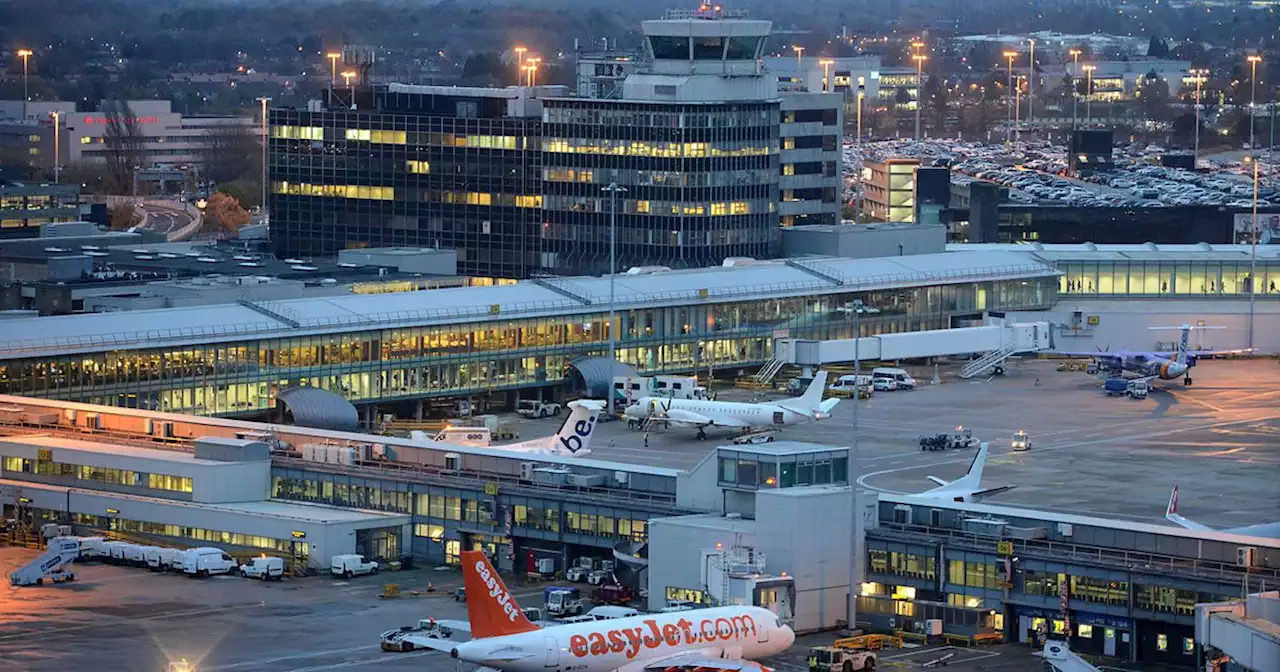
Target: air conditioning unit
[
  {"x": 526, "y": 471},
  {"x": 621, "y": 477},
  {"x": 585, "y": 480},
  {"x": 452, "y": 462},
  {"x": 551, "y": 476},
  {"x": 92, "y": 421},
  {"x": 1245, "y": 555},
  {"x": 902, "y": 514},
  {"x": 933, "y": 626}
]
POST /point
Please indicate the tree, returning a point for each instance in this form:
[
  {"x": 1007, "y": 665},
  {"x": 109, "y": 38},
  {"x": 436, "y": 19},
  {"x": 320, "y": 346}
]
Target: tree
[
  {"x": 222, "y": 213},
  {"x": 936, "y": 97},
  {"x": 1156, "y": 48},
  {"x": 246, "y": 192},
  {"x": 230, "y": 152},
  {"x": 123, "y": 144},
  {"x": 1154, "y": 97},
  {"x": 123, "y": 216}
]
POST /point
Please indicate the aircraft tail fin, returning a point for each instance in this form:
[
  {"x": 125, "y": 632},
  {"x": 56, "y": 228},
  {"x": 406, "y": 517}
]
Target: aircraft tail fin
[
  {"x": 492, "y": 610},
  {"x": 1171, "y": 514},
  {"x": 972, "y": 479},
  {"x": 574, "y": 436},
  {"x": 1183, "y": 343},
  {"x": 809, "y": 403}
]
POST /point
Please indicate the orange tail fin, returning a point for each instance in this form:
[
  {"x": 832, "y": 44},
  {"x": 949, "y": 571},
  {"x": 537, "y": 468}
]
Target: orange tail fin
[{"x": 492, "y": 610}]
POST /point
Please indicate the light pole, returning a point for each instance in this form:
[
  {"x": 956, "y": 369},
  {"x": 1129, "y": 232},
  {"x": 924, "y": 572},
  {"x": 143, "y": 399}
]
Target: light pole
[
  {"x": 1017, "y": 108},
  {"x": 1253, "y": 247},
  {"x": 856, "y": 552},
  {"x": 861, "y": 93},
  {"x": 1031, "y": 85},
  {"x": 826, "y": 73},
  {"x": 264, "y": 100},
  {"x": 57, "y": 144},
  {"x": 24, "y": 54},
  {"x": 799, "y": 52},
  {"x": 333, "y": 72},
  {"x": 1010, "y": 55},
  {"x": 346, "y": 78},
  {"x": 1088, "y": 93},
  {"x": 613, "y": 189},
  {"x": 919, "y": 59},
  {"x": 1198, "y": 75},
  {"x": 519, "y": 62},
  {"x": 1075, "y": 95},
  {"x": 1254, "y": 60}
]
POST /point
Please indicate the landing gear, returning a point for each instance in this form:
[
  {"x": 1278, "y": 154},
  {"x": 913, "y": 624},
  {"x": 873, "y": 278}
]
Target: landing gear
[
  {"x": 702, "y": 434},
  {"x": 997, "y": 371},
  {"x": 1186, "y": 382}
]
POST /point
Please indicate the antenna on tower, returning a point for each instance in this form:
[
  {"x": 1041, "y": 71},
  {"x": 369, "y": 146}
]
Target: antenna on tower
[{"x": 361, "y": 58}]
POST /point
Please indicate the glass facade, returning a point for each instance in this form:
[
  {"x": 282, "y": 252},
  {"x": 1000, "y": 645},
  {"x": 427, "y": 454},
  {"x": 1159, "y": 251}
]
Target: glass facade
[
  {"x": 1168, "y": 278},
  {"x": 752, "y": 471},
  {"x": 243, "y": 376},
  {"x": 409, "y": 169},
  {"x": 700, "y": 181},
  {"x": 57, "y": 472}
]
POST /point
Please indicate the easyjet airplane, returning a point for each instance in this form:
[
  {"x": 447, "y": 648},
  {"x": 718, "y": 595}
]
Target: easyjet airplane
[{"x": 723, "y": 638}]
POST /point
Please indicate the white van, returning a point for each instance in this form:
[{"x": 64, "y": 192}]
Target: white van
[
  {"x": 351, "y": 565},
  {"x": 902, "y": 378},
  {"x": 91, "y": 548},
  {"x": 263, "y": 567},
  {"x": 206, "y": 561},
  {"x": 162, "y": 559},
  {"x": 849, "y": 383},
  {"x": 113, "y": 551},
  {"x": 136, "y": 555}
]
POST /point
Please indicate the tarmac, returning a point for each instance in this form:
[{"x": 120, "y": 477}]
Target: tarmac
[{"x": 1091, "y": 454}]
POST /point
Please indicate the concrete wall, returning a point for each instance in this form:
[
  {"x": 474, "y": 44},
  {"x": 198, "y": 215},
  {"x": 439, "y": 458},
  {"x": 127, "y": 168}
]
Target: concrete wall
[
  {"x": 864, "y": 241},
  {"x": 232, "y": 482},
  {"x": 812, "y": 548},
  {"x": 677, "y": 549},
  {"x": 1123, "y": 324}
]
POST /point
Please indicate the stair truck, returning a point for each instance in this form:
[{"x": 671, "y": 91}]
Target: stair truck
[{"x": 54, "y": 564}]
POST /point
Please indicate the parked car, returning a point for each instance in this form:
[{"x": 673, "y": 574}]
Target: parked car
[
  {"x": 352, "y": 564},
  {"x": 263, "y": 567}
]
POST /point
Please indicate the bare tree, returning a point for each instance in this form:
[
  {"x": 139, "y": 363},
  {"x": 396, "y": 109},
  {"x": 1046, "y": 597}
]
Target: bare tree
[
  {"x": 123, "y": 142},
  {"x": 231, "y": 152}
]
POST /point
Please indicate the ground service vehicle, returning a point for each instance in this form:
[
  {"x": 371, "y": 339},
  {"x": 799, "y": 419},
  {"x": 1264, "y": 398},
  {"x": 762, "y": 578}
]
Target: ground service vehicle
[
  {"x": 263, "y": 567},
  {"x": 162, "y": 559},
  {"x": 1021, "y": 441},
  {"x": 616, "y": 594},
  {"x": 352, "y": 564},
  {"x": 206, "y": 561},
  {"x": 901, "y": 378},
  {"x": 394, "y": 640},
  {"x": 1137, "y": 389},
  {"x": 561, "y": 601},
  {"x": 579, "y": 571},
  {"x": 532, "y": 408},
  {"x": 705, "y": 639},
  {"x": 832, "y": 659},
  {"x": 884, "y": 384}
]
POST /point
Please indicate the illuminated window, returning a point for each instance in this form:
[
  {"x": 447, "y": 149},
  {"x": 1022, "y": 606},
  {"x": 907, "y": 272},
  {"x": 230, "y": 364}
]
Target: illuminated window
[
  {"x": 359, "y": 134},
  {"x": 721, "y": 208},
  {"x": 85, "y": 140},
  {"x": 789, "y": 143},
  {"x": 694, "y": 210},
  {"x": 1188, "y": 646},
  {"x": 1162, "y": 642},
  {"x": 298, "y": 132},
  {"x": 739, "y": 208},
  {"x": 34, "y": 151},
  {"x": 586, "y": 176},
  {"x": 474, "y": 198},
  {"x": 1084, "y": 630},
  {"x": 33, "y": 138},
  {"x": 788, "y": 169},
  {"x": 642, "y": 207},
  {"x": 528, "y": 201},
  {"x": 904, "y": 593},
  {"x": 386, "y": 137},
  {"x": 418, "y": 167}
]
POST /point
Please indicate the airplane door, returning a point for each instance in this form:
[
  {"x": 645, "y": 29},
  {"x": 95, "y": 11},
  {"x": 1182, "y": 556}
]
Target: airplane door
[
  {"x": 762, "y": 632},
  {"x": 1109, "y": 645},
  {"x": 777, "y": 417},
  {"x": 553, "y": 651}
]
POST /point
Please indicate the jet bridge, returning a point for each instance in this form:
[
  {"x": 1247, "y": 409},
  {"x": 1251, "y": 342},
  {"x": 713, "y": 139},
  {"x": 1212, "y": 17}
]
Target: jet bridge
[{"x": 996, "y": 343}]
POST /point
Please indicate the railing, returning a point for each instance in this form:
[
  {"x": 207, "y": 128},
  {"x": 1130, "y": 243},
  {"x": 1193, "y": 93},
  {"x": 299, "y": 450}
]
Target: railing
[{"x": 1059, "y": 552}]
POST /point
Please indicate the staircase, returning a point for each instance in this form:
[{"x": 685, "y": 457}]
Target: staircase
[
  {"x": 1062, "y": 659},
  {"x": 62, "y": 551},
  {"x": 988, "y": 361},
  {"x": 770, "y": 369}
]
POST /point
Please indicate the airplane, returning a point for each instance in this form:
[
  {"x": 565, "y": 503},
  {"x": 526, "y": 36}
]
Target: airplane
[
  {"x": 702, "y": 413},
  {"x": 967, "y": 488},
  {"x": 1270, "y": 530},
  {"x": 572, "y": 440},
  {"x": 503, "y": 639},
  {"x": 1154, "y": 365}
]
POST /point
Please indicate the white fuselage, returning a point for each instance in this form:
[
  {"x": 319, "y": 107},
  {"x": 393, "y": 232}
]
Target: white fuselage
[
  {"x": 699, "y": 412},
  {"x": 629, "y": 644}
]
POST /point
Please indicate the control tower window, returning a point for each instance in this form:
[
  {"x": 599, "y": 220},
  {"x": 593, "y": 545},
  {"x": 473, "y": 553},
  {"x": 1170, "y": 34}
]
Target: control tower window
[
  {"x": 708, "y": 48},
  {"x": 667, "y": 47},
  {"x": 742, "y": 48}
]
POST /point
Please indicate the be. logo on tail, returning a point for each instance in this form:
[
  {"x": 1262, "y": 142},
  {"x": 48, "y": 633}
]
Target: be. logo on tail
[
  {"x": 581, "y": 430},
  {"x": 497, "y": 592}
]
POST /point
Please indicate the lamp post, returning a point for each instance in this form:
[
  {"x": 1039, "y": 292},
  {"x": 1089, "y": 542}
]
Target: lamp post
[
  {"x": 519, "y": 62},
  {"x": 57, "y": 144},
  {"x": 1075, "y": 95},
  {"x": 1010, "y": 55},
  {"x": 826, "y": 73},
  {"x": 264, "y": 100},
  {"x": 333, "y": 72},
  {"x": 1017, "y": 108},
  {"x": 861, "y": 93},
  {"x": 919, "y": 59},
  {"x": 1031, "y": 84},
  {"x": 855, "y": 544},
  {"x": 1198, "y": 75},
  {"x": 799, "y": 52},
  {"x": 1253, "y": 248},
  {"x": 1088, "y": 93},
  {"x": 24, "y": 54},
  {"x": 1254, "y": 60},
  {"x": 613, "y": 189},
  {"x": 346, "y": 78}
]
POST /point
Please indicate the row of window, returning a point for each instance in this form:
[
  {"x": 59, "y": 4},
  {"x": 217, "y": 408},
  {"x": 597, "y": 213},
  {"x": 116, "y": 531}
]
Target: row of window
[
  {"x": 334, "y": 190},
  {"x": 299, "y": 549},
  {"x": 660, "y": 178},
  {"x": 1171, "y": 278},
  {"x": 595, "y": 115},
  {"x": 753, "y": 471},
  {"x": 648, "y": 207},
  {"x": 106, "y": 475},
  {"x": 397, "y": 137},
  {"x": 686, "y": 150}
]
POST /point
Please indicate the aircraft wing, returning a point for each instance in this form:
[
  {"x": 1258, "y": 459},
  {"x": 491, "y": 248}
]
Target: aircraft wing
[
  {"x": 685, "y": 417},
  {"x": 1207, "y": 353},
  {"x": 445, "y": 645},
  {"x": 702, "y": 660},
  {"x": 456, "y": 626},
  {"x": 993, "y": 491},
  {"x": 1107, "y": 354}
]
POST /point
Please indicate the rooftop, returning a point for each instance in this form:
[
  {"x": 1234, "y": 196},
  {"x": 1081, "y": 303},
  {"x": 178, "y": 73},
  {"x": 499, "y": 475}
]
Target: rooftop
[
  {"x": 746, "y": 279},
  {"x": 1144, "y": 251},
  {"x": 784, "y": 448},
  {"x": 115, "y": 449}
]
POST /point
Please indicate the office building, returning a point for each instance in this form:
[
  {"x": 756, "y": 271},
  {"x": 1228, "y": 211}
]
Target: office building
[
  {"x": 889, "y": 189},
  {"x": 25, "y": 207},
  {"x": 413, "y": 166}
]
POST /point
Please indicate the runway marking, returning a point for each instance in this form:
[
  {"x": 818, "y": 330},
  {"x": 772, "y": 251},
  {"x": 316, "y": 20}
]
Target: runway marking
[
  {"x": 267, "y": 661},
  {"x": 359, "y": 663}
]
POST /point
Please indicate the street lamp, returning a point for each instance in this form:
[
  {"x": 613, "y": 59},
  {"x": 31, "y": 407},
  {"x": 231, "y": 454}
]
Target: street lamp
[
  {"x": 346, "y": 78},
  {"x": 333, "y": 72},
  {"x": 1088, "y": 93},
  {"x": 1253, "y": 246},
  {"x": 1031, "y": 84},
  {"x": 24, "y": 54},
  {"x": 1254, "y": 60},
  {"x": 532, "y": 69},
  {"x": 799, "y": 51},
  {"x": 1010, "y": 55},
  {"x": 519, "y": 61},
  {"x": 1017, "y": 108},
  {"x": 861, "y": 93},
  {"x": 1075, "y": 95},
  {"x": 57, "y": 145},
  {"x": 613, "y": 189},
  {"x": 826, "y": 71},
  {"x": 264, "y": 100},
  {"x": 919, "y": 59},
  {"x": 856, "y": 552},
  {"x": 1198, "y": 75}
]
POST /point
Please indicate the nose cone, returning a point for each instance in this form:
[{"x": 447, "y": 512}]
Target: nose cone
[
  {"x": 788, "y": 636},
  {"x": 634, "y": 411}
]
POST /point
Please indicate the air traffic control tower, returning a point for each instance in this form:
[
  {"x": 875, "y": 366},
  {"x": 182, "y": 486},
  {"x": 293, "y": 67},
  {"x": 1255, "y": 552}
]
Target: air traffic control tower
[{"x": 707, "y": 54}]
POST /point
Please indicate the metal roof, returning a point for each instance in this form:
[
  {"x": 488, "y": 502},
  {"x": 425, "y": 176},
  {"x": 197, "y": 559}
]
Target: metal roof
[
  {"x": 320, "y": 409},
  {"x": 746, "y": 280},
  {"x": 1145, "y": 251}
]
